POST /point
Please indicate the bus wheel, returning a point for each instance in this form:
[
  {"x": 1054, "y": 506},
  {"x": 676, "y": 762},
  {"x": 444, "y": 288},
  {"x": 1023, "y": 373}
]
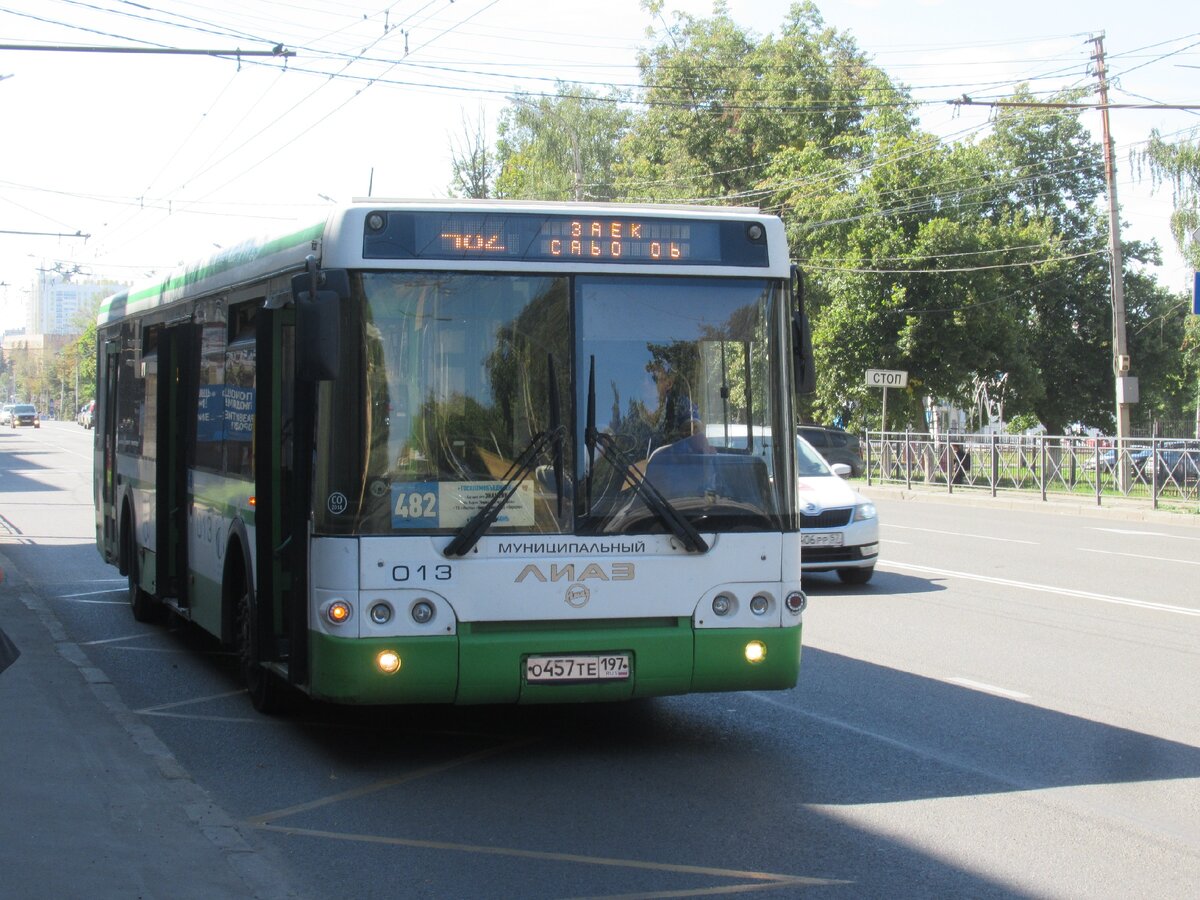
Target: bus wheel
[
  {"x": 267, "y": 692},
  {"x": 144, "y": 607}
]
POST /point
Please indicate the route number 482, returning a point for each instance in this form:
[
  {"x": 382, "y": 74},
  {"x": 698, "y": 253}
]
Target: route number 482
[{"x": 415, "y": 505}]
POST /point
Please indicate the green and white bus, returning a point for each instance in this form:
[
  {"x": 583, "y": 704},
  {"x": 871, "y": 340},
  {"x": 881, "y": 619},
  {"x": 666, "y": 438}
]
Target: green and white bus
[{"x": 455, "y": 452}]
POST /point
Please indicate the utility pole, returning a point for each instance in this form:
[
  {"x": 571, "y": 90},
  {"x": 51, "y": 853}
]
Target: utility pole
[{"x": 1127, "y": 390}]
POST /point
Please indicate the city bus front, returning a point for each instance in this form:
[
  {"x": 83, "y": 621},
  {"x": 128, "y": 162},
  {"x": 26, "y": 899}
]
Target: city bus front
[{"x": 515, "y": 493}]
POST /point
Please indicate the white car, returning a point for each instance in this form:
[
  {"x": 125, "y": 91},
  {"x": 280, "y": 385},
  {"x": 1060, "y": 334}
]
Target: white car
[{"x": 839, "y": 528}]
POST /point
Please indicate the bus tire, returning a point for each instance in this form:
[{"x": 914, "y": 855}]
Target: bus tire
[
  {"x": 143, "y": 606},
  {"x": 267, "y": 692}
]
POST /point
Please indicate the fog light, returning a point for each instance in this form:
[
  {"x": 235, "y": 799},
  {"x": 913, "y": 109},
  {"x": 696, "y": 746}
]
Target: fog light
[
  {"x": 388, "y": 661},
  {"x": 422, "y": 612},
  {"x": 760, "y": 604},
  {"x": 756, "y": 652},
  {"x": 381, "y": 613},
  {"x": 338, "y": 612},
  {"x": 796, "y": 602},
  {"x": 722, "y": 604}
]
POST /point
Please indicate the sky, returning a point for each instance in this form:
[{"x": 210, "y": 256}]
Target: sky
[{"x": 125, "y": 165}]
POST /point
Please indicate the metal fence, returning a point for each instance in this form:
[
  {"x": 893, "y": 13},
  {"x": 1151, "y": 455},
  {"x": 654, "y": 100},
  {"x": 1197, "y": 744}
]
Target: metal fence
[{"x": 1162, "y": 471}]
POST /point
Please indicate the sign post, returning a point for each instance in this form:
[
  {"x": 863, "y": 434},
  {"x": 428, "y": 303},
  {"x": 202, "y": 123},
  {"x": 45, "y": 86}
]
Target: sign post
[{"x": 886, "y": 378}]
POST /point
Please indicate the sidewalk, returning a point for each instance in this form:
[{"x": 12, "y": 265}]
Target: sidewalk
[{"x": 94, "y": 804}]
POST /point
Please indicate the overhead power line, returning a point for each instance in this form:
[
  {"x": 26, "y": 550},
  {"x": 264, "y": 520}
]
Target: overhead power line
[
  {"x": 277, "y": 51},
  {"x": 964, "y": 100},
  {"x": 57, "y": 234}
]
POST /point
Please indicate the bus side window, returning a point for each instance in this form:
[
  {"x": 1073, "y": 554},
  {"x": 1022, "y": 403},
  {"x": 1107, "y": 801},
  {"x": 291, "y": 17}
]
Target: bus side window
[
  {"x": 210, "y": 405},
  {"x": 239, "y": 409},
  {"x": 131, "y": 394}
]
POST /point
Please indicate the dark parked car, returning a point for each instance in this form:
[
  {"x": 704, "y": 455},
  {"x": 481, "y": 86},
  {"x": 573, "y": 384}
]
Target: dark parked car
[
  {"x": 836, "y": 445},
  {"x": 26, "y": 414}
]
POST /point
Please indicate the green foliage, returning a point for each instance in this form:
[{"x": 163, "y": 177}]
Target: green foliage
[
  {"x": 952, "y": 260},
  {"x": 560, "y": 148}
]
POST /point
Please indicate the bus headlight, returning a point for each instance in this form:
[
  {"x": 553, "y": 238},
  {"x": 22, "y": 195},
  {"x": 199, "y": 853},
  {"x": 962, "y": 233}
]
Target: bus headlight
[
  {"x": 422, "y": 612},
  {"x": 759, "y": 604},
  {"x": 381, "y": 612},
  {"x": 756, "y": 652},
  {"x": 388, "y": 661},
  {"x": 338, "y": 612},
  {"x": 722, "y": 604}
]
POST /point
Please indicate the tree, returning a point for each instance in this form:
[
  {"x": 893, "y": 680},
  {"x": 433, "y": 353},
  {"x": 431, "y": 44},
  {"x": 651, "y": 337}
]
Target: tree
[
  {"x": 473, "y": 165},
  {"x": 562, "y": 147},
  {"x": 1179, "y": 165}
]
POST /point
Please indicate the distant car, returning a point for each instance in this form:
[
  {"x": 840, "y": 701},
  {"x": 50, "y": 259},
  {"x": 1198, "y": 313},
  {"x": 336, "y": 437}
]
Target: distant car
[
  {"x": 1178, "y": 463},
  {"x": 836, "y": 446},
  {"x": 839, "y": 528},
  {"x": 6, "y": 414},
  {"x": 24, "y": 414},
  {"x": 86, "y": 414}
]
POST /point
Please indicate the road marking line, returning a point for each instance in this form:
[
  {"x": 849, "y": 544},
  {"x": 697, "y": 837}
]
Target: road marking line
[
  {"x": 92, "y": 594},
  {"x": 1167, "y": 559},
  {"x": 988, "y": 688},
  {"x": 766, "y": 879},
  {"x": 1047, "y": 589},
  {"x": 1137, "y": 533},
  {"x": 127, "y": 637},
  {"x": 264, "y": 819},
  {"x": 981, "y": 537}
]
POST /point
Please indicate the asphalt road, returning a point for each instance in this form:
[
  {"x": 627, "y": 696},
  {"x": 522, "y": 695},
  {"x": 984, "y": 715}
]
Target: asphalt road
[{"x": 1009, "y": 708}]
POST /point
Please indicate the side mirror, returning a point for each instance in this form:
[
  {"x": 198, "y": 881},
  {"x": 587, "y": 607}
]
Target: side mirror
[
  {"x": 803, "y": 364},
  {"x": 841, "y": 470},
  {"x": 318, "y": 297}
]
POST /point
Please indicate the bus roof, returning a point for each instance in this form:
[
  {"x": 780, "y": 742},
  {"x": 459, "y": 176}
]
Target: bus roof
[{"x": 337, "y": 241}]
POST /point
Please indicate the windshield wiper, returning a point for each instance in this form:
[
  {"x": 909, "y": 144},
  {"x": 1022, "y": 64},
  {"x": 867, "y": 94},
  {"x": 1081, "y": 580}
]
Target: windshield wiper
[
  {"x": 469, "y": 535},
  {"x": 679, "y": 526}
]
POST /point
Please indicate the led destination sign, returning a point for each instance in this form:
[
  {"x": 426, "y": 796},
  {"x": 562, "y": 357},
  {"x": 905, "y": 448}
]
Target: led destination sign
[{"x": 524, "y": 237}]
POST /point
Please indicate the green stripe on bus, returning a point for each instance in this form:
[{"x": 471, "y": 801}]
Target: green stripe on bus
[{"x": 483, "y": 665}]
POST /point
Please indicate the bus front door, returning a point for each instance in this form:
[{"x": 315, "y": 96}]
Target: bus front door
[
  {"x": 280, "y": 523},
  {"x": 106, "y": 439},
  {"x": 177, "y": 355}
]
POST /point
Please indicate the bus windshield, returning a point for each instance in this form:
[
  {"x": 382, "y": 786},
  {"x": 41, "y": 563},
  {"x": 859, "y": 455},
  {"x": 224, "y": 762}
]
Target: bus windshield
[{"x": 448, "y": 378}]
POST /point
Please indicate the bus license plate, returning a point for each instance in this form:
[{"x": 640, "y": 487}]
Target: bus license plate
[
  {"x": 821, "y": 540},
  {"x": 599, "y": 667}
]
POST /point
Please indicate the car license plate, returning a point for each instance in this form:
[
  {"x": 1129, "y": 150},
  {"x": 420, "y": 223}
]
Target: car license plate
[
  {"x": 821, "y": 540},
  {"x": 590, "y": 667}
]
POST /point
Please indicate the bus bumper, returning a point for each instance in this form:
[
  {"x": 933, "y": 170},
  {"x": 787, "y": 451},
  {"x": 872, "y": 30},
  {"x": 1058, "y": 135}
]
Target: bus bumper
[{"x": 485, "y": 663}]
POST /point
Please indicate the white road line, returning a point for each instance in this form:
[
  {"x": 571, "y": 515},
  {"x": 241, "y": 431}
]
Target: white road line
[
  {"x": 1166, "y": 559},
  {"x": 980, "y": 537},
  {"x": 92, "y": 594},
  {"x": 1135, "y": 532},
  {"x": 1047, "y": 589},
  {"x": 988, "y": 688}
]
